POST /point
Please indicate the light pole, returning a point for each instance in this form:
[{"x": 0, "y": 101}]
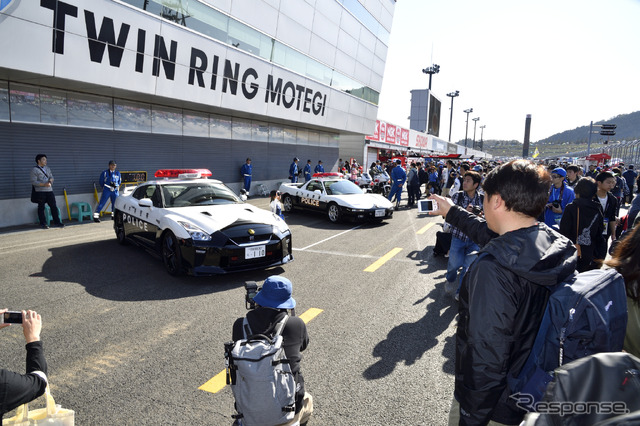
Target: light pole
[
  {"x": 433, "y": 69},
  {"x": 452, "y": 95},
  {"x": 466, "y": 132},
  {"x": 482, "y": 133},
  {"x": 475, "y": 122}
]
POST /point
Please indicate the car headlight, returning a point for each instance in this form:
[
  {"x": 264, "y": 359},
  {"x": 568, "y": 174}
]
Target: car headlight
[{"x": 196, "y": 233}]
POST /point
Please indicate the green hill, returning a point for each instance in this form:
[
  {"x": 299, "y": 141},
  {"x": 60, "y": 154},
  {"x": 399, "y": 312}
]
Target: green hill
[{"x": 568, "y": 141}]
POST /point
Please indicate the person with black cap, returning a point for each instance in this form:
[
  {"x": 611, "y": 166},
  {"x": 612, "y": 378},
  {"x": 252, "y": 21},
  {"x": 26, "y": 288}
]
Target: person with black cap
[
  {"x": 272, "y": 302},
  {"x": 307, "y": 171},
  {"x": 110, "y": 181},
  {"x": 319, "y": 168},
  {"x": 293, "y": 170}
]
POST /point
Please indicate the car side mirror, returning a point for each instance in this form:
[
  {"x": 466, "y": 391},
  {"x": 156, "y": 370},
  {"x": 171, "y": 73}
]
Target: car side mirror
[
  {"x": 145, "y": 202},
  {"x": 317, "y": 191}
]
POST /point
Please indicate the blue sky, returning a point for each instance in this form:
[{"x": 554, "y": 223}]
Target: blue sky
[{"x": 565, "y": 62}]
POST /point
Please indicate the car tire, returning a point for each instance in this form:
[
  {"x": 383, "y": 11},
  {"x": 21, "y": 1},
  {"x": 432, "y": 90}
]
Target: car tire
[
  {"x": 333, "y": 213},
  {"x": 171, "y": 255},
  {"x": 118, "y": 226},
  {"x": 287, "y": 203}
]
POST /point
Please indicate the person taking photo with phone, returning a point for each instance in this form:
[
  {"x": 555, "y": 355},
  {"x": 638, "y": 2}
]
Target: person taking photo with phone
[{"x": 15, "y": 388}]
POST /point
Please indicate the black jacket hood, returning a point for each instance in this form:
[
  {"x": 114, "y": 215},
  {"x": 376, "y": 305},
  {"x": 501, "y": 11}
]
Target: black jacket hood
[{"x": 537, "y": 253}]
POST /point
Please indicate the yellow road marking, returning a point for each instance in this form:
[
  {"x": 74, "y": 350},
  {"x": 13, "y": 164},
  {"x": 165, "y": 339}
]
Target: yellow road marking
[
  {"x": 378, "y": 263},
  {"x": 219, "y": 381},
  {"x": 424, "y": 229}
]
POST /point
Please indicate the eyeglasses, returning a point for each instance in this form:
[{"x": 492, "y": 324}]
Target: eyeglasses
[{"x": 555, "y": 176}]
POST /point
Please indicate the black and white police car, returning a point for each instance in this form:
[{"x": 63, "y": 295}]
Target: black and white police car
[
  {"x": 199, "y": 225},
  {"x": 339, "y": 198}
]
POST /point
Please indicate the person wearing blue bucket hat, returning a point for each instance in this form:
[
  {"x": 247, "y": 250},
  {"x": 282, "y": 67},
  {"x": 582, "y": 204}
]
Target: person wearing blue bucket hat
[
  {"x": 272, "y": 302},
  {"x": 560, "y": 194}
]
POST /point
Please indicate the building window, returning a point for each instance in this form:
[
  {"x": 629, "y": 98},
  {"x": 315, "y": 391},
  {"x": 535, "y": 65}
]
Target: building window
[
  {"x": 25, "y": 103},
  {"x": 4, "y": 101},
  {"x": 220, "y": 127},
  {"x": 53, "y": 107},
  {"x": 195, "y": 124},
  {"x": 131, "y": 116},
  {"x": 166, "y": 120},
  {"x": 89, "y": 111}
]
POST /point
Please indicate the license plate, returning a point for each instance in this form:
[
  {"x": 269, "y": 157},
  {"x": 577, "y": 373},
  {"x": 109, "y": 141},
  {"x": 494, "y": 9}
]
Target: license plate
[
  {"x": 380, "y": 213},
  {"x": 253, "y": 252}
]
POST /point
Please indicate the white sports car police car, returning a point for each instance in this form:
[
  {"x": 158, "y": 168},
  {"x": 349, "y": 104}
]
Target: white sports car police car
[
  {"x": 337, "y": 197},
  {"x": 199, "y": 225}
]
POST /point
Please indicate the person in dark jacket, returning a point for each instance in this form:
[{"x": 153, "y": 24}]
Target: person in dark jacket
[
  {"x": 583, "y": 223},
  {"x": 606, "y": 181},
  {"x": 505, "y": 291},
  {"x": 273, "y": 301},
  {"x": 17, "y": 389}
]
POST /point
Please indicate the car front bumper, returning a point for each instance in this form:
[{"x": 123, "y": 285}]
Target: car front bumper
[
  {"x": 205, "y": 258},
  {"x": 366, "y": 214}
]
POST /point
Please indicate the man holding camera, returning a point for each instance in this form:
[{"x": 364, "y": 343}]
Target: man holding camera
[
  {"x": 272, "y": 302},
  {"x": 463, "y": 251},
  {"x": 110, "y": 181},
  {"x": 560, "y": 194},
  {"x": 17, "y": 389}
]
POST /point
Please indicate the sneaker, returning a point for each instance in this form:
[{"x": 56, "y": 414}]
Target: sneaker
[
  {"x": 59, "y": 225},
  {"x": 450, "y": 286},
  {"x": 44, "y": 226},
  {"x": 96, "y": 218}
]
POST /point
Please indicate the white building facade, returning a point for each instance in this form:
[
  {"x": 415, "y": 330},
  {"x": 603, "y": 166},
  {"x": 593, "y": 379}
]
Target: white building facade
[{"x": 183, "y": 83}]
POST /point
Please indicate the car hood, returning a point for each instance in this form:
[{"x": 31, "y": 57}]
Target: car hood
[
  {"x": 363, "y": 201},
  {"x": 214, "y": 218}
]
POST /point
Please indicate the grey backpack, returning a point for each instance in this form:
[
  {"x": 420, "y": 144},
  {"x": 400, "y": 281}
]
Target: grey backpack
[{"x": 260, "y": 377}]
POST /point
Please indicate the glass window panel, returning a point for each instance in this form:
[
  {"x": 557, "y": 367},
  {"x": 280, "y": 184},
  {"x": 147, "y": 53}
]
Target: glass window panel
[
  {"x": 249, "y": 40},
  {"x": 53, "y": 107},
  {"x": 4, "y": 101},
  {"x": 289, "y": 135},
  {"x": 195, "y": 124},
  {"x": 289, "y": 58},
  {"x": 314, "y": 138},
  {"x": 89, "y": 111},
  {"x": 319, "y": 72},
  {"x": 132, "y": 116},
  {"x": 260, "y": 131},
  {"x": 302, "y": 137},
  {"x": 276, "y": 134},
  {"x": 220, "y": 127},
  {"x": 25, "y": 103},
  {"x": 200, "y": 17},
  {"x": 166, "y": 120},
  {"x": 241, "y": 129}
]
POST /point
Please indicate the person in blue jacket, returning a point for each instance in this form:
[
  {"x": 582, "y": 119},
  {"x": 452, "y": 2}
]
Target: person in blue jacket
[
  {"x": 560, "y": 194},
  {"x": 110, "y": 181},
  {"x": 398, "y": 177},
  {"x": 246, "y": 171},
  {"x": 319, "y": 168},
  {"x": 293, "y": 170},
  {"x": 307, "y": 171}
]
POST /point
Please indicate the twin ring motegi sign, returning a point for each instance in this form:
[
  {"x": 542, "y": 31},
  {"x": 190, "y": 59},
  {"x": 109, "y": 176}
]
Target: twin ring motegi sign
[{"x": 110, "y": 44}]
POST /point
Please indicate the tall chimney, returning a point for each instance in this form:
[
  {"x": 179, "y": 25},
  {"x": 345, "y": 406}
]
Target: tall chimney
[{"x": 527, "y": 131}]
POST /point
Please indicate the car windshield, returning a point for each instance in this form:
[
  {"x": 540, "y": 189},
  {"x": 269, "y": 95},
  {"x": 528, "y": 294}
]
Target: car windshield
[
  {"x": 342, "y": 187},
  {"x": 197, "y": 194}
]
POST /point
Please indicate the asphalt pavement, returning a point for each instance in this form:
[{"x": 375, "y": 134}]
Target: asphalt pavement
[{"x": 128, "y": 344}]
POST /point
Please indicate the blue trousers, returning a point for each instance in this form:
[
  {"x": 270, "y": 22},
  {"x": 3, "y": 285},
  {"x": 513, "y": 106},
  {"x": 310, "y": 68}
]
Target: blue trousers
[
  {"x": 106, "y": 194},
  {"x": 395, "y": 189},
  {"x": 247, "y": 183},
  {"x": 460, "y": 257}
]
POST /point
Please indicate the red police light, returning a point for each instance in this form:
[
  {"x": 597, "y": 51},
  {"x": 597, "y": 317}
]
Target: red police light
[
  {"x": 174, "y": 173},
  {"x": 319, "y": 175}
]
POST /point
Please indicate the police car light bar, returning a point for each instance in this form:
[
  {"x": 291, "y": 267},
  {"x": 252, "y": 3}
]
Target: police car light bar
[
  {"x": 318, "y": 175},
  {"x": 183, "y": 173}
]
